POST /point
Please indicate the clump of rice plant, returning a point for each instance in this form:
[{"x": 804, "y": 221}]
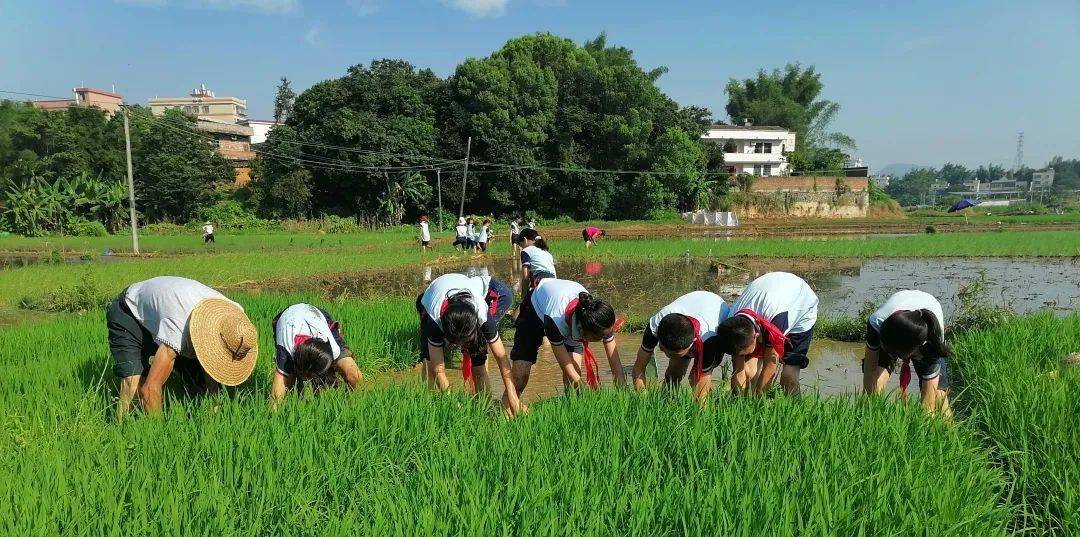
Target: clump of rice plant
[
  {"x": 1017, "y": 391},
  {"x": 83, "y": 296}
]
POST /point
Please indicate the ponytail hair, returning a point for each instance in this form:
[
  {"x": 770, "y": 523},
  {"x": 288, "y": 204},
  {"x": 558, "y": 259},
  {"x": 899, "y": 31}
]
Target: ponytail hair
[
  {"x": 460, "y": 323},
  {"x": 909, "y": 331},
  {"x": 531, "y": 234},
  {"x": 594, "y": 315}
]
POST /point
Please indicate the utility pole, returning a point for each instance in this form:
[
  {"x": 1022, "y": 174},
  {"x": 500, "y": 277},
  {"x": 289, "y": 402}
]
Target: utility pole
[
  {"x": 131, "y": 186},
  {"x": 438, "y": 179},
  {"x": 465, "y": 177}
]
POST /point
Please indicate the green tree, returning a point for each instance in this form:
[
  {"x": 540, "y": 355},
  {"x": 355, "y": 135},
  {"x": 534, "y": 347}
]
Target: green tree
[
  {"x": 283, "y": 100},
  {"x": 280, "y": 185},
  {"x": 176, "y": 168},
  {"x": 914, "y": 187},
  {"x": 790, "y": 98},
  {"x": 955, "y": 174}
]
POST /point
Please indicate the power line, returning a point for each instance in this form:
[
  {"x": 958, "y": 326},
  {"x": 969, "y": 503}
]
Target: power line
[{"x": 36, "y": 95}]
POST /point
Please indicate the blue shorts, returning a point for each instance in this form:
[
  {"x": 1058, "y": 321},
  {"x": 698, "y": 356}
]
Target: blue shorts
[{"x": 795, "y": 348}]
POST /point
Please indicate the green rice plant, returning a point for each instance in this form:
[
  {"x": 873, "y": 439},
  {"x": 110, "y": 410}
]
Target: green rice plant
[
  {"x": 404, "y": 461},
  {"x": 1017, "y": 389}
]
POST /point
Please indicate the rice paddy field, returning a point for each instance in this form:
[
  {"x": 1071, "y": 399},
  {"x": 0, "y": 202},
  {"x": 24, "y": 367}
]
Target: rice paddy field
[{"x": 393, "y": 458}]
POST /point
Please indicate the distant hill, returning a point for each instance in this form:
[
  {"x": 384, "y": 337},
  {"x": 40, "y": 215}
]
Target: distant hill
[{"x": 898, "y": 170}]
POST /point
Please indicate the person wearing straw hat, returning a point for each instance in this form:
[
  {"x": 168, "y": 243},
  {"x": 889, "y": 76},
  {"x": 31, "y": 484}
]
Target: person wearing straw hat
[
  {"x": 686, "y": 331},
  {"x": 309, "y": 348},
  {"x": 184, "y": 325}
]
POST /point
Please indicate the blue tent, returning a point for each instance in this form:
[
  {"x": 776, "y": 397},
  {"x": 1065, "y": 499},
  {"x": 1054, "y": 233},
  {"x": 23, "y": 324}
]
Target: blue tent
[{"x": 961, "y": 205}]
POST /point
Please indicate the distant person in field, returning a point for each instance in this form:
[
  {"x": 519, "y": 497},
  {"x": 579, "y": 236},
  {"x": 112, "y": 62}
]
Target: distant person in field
[
  {"x": 425, "y": 233},
  {"x": 465, "y": 311},
  {"x": 515, "y": 231},
  {"x": 309, "y": 348},
  {"x": 570, "y": 318},
  {"x": 208, "y": 233},
  {"x": 590, "y": 235},
  {"x": 470, "y": 234},
  {"x": 185, "y": 326},
  {"x": 772, "y": 323},
  {"x": 484, "y": 235},
  {"x": 537, "y": 264},
  {"x": 909, "y": 330},
  {"x": 685, "y": 331},
  {"x": 462, "y": 231}
]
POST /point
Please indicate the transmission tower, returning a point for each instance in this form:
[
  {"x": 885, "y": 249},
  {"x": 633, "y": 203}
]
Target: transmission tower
[{"x": 1019, "y": 150}]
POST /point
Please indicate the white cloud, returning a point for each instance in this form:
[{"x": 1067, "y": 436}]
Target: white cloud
[
  {"x": 365, "y": 7},
  {"x": 261, "y": 6},
  {"x": 479, "y": 8},
  {"x": 313, "y": 35}
]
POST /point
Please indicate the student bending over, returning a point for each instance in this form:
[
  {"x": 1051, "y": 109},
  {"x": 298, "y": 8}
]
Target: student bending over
[{"x": 309, "y": 348}]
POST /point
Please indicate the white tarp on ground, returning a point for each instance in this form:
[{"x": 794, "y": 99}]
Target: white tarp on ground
[{"x": 712, "y": 218}]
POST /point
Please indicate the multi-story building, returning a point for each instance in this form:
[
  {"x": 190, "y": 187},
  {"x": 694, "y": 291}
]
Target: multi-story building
[
  {"x": 760, "y": 151},
  {"x": 105, "y": 100},
  {"x": 203, "y": 104}
]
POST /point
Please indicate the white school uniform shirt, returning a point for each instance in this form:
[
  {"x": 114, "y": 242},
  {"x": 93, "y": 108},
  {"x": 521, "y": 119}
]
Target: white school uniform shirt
[
  {"x": 909, "y": 300},
  {"x": 709, "y": 309},
  {"x": 303, "y": 320},
  {"x": 777, "y": 293},
  {"x": 425, "y": 233},
  {"x": 461, "y": 231},
  {"x": 208, "y": 229},
  {"x": 451, "y": 284},
  {"x": 551, "y": 298},
  {"x": 484, "y": 231},
  {"x": 163, "y": 306},
  {"x": 538, "y": 260},
  {"x": 515, "y": 228},
  {"x": 470, "y": 231}
]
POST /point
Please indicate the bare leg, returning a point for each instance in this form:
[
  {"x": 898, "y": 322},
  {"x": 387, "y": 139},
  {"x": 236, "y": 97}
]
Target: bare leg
[
  {"x": 481, "y": 382},
  {"x": 520, "y": 370},
  {"x": 129, "y": 386},
  {"x": 789, "y": 379},
  {"x": 875, "y": 377}
]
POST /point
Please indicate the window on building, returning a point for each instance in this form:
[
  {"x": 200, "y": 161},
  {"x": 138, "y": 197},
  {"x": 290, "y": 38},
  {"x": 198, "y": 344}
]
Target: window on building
[
  {"x": 763, "y": 170},
  {"x": 763, "y": 147},
  {"x": 205, "y": 109}
]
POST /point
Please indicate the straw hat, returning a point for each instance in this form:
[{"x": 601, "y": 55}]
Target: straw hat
[
  {"x": 461, "y": 221},
  {"x": 225, "y": 341}
]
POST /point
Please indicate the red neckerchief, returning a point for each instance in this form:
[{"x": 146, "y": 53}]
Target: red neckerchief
[
  {"x": 592, "y": 370},
  {"x": 699, "y": 348},
  {"x": 775, "y": 335},
  {"x": 466, "y": 356}
]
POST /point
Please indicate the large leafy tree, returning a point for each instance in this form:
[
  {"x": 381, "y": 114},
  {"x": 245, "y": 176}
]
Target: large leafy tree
[
  {"x": 791, "y": 98},
  {"x": 280, "y": 185},
  {"x": 543, "y": 102},
  {"x": 176, "y": 167},
  {"x": 374, "y": 117}
]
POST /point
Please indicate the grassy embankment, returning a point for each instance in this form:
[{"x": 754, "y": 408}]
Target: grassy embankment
[
  {"x": 403, "y": 461},
  {"x": 294, "y": 256}
]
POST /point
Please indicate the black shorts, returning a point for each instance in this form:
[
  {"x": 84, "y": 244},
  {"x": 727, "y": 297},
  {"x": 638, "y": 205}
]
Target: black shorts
[
  {"x": 925, "y": 369},
  {"x": 585, "y": 236},
  {"x": 132, "y": 345},
  {"x": 795, "y": 348},
  {"x": 424, "y": 243}
]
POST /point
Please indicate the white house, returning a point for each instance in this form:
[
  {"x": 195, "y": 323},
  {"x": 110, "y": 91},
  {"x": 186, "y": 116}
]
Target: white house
[
  {"x": 260, "y": 129},
  {"x": 760, "y": 151}
]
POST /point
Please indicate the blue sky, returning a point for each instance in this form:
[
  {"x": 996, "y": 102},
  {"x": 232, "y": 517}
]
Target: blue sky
[{"x": 918, "y": 81}]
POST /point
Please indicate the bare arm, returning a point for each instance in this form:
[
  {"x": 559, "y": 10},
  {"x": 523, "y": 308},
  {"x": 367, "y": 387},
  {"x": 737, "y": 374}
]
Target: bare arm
[
  {"x": 510, "y": 395},
  {"x": 640, "y": 364},
  {"x": 349, "y": 371},
  {"x": 768, "y": 371},
  {"x": 612, "y": 350},
  {"x": 279, "y": 387},
  {"x": 437, "y": 369},
  {"x": 702, "y": 387},
  {"x": 152, "y": 390}
]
